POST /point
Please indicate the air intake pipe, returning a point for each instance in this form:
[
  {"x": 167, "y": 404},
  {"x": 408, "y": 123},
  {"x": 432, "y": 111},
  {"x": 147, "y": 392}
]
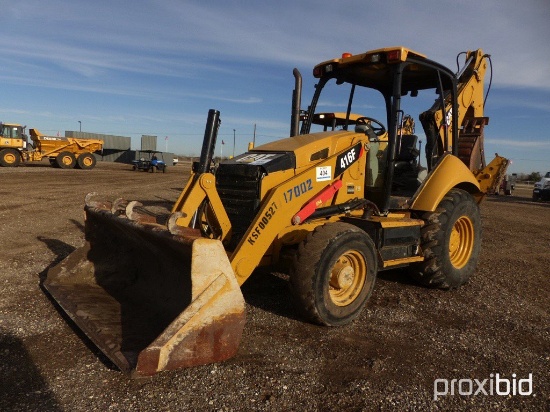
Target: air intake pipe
[{"x": 296, "y": 102}]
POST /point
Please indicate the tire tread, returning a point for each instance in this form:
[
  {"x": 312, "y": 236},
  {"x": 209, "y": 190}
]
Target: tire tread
[{"x": 434, "y": 271}]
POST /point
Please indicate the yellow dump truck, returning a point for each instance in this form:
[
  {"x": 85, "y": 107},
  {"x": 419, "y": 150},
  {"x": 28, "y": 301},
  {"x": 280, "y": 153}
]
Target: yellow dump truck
[
  {"x": 63, "y": 152},
  {"x": 335, "y": 207}
]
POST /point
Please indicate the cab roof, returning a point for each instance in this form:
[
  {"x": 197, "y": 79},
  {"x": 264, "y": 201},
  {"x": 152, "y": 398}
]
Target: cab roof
[{"x": 374, "y": 69}]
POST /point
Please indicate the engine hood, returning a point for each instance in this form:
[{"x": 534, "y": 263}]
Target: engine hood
[{"x": 306, "y": 149}]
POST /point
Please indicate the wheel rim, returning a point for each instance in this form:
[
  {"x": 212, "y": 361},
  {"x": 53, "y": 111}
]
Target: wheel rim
[
  {"x": 461, "y": 243},
  {"x": 87, "y": 161},
  {"x": 347, "y": 278},
  {"x": 10, "y": 158},
  {"x": 66, "y": 160}
]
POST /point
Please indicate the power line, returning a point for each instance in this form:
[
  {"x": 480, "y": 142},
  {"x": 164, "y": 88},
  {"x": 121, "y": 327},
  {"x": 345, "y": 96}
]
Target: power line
[{"x": 531, "y": 160}]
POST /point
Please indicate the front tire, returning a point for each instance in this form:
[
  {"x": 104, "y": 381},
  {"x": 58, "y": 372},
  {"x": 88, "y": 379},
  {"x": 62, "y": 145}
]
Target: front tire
[
  {"x": 9, "y": 158},
  {"x": 451, "y": 241},
  {"x": 333, "y": 273}
]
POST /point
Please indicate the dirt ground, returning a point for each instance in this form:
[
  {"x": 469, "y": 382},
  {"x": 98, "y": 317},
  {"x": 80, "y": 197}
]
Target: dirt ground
[{"x": 407, "y": 338}]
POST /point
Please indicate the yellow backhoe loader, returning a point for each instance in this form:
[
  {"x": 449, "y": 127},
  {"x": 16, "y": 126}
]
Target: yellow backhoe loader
[{"x": 336, "y": 206}]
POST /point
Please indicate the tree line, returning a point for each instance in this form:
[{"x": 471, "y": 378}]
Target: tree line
[{"x": 526, "y": 177}]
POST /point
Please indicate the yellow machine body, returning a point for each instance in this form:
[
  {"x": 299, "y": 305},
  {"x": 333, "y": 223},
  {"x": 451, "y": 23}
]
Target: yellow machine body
[
  {"x": 336, "y": 206},
  {"x": 64, "y": 152}
]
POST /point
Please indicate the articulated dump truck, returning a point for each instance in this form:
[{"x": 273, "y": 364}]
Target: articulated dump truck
[
  {"x": 62, "y": 152},
  {"x": 334, "y": 206}
]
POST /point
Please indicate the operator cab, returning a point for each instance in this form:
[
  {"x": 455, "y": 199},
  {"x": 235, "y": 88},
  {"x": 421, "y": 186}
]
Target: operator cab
[
  {"x": 14, "y": 131},
  {"x": 394, "y": 86},
  {"x": 11, "y": 131}
]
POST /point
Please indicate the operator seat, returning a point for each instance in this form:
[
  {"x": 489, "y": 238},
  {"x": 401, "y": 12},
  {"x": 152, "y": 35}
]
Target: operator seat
[
  {"x": 406, "y": 151},
  {"x": 407, "y": 173}
]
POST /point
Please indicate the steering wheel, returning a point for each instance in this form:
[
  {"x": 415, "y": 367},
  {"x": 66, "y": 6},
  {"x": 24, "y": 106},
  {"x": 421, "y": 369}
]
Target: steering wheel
[{"x": 379, "y": 129}]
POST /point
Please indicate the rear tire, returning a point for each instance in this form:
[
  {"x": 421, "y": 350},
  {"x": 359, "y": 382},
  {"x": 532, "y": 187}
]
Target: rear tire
[
  {"x": 333, "y": 273},
  {"x": 10, "y": 158},
  {"x": 65, "y": 160},
  {"x": 451, "y": 241},
  {"x": 86, "y": 161}
]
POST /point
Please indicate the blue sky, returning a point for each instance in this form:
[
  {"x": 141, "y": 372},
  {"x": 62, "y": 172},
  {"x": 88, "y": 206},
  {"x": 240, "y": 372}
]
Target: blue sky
[{"x": 156, "y": 67}]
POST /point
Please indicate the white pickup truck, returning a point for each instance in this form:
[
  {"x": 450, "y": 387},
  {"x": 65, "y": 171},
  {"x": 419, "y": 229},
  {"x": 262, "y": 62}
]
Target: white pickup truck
[{"x": 542, "y": 188}]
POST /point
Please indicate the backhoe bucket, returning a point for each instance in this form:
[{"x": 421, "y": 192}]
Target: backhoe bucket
[{"x": 149, "y": 299}]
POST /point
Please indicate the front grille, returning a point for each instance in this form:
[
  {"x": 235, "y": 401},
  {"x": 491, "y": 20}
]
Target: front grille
[{"x": 238, "y": 186}]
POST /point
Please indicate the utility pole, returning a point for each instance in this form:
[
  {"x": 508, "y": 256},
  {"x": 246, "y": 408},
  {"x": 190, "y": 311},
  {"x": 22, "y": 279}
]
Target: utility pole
[
  {"x": 254, "y": 138},
  {"x": 233, "y": 142}
]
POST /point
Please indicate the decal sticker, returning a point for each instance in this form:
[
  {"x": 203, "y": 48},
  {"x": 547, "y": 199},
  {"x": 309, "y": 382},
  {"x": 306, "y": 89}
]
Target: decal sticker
[
  {"x": 298, "y": 190},
  {"x": 262, "y": 224},
  {"x": 346, "y": 159},
  {"x": 323, "y": 173},
  {"x": 256, "y": 158},
  {"x": 449, "y": 117}
]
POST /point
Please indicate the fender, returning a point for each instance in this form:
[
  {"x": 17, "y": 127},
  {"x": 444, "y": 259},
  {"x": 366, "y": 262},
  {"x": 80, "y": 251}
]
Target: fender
[{"x": 449, "y": 172}]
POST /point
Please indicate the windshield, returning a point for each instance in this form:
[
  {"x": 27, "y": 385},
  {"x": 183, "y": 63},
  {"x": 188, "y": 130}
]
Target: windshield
[
  {"x": 333, "y": 105},
  {"x": 10, "y": 131},
  {"x": 338, "y": 106}
]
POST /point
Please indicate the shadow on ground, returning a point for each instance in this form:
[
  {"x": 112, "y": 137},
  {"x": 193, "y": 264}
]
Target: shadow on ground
[{"x": 22, "y": 387}]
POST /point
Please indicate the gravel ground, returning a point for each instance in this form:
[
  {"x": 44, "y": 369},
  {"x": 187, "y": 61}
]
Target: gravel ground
[{"x": 407, "y": 338}]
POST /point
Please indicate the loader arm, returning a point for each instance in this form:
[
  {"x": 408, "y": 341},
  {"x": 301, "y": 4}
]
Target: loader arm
[
  {"x": 200, "y": 192},
  {"x": 201, "y": 187}
]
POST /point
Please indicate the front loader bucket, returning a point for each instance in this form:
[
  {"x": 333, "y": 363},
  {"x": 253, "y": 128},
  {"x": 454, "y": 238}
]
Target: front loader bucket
[{"x": 149, "y": 299}]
